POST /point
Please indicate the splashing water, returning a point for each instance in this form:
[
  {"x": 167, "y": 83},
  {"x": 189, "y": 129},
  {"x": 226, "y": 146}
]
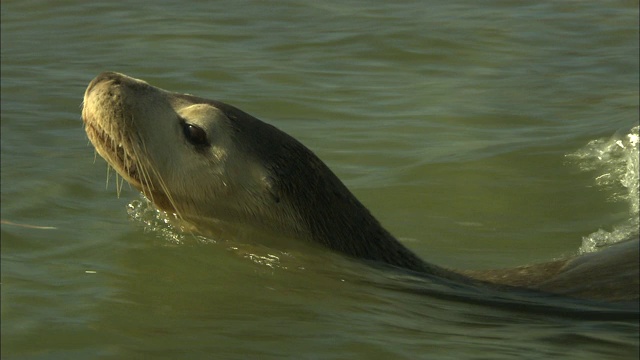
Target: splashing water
[
  {"x": 168, "y": 228},
  {"x": 615, "y": 161},
  {"x": 153, "y": 220},
  {"x": 161, "y": 223}
]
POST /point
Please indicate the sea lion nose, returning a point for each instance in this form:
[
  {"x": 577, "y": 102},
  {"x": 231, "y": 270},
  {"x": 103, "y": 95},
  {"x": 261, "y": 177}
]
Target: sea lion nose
[
  {"x": 104, "y": 76},
  {"x": 116, "y": 79}
]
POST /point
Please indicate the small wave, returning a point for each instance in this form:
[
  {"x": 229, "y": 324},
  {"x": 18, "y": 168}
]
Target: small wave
[{"x": 615, "y": 163}]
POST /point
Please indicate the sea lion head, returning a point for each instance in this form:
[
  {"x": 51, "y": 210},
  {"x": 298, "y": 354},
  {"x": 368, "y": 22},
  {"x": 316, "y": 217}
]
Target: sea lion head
[
  {"x": 190, "y": 156},
  {"x": 198, "y": 158},
  {"x": 221, "y": 169}
]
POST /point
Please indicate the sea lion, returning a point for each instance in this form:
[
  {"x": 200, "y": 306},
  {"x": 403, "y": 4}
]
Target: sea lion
[{"x": 216, "y": 166}]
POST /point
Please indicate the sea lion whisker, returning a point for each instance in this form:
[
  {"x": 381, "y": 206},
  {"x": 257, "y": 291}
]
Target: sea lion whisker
[
  {"x": 119, "y": 184},
  {"x": 108, "y": 176},
  {"x": 143, "y": 165},
  {"x": 167, "y": 192}
]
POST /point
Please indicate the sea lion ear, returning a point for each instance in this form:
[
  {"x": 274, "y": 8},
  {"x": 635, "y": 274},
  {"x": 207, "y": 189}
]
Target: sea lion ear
[{"x": 271, "y": 185}]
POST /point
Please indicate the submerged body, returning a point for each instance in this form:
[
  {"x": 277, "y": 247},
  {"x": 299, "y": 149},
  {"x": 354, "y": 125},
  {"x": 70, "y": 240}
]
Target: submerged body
[{"x": 219, "y": 168}]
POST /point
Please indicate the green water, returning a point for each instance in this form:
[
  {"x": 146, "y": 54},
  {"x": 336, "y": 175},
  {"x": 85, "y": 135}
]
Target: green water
[{"x": 462, "y": 125}]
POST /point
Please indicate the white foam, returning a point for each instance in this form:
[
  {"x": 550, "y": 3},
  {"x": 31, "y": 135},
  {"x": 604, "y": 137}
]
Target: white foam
[{"x": 615, "y": 164}]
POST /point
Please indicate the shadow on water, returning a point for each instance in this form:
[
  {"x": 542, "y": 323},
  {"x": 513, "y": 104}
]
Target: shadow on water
[{"x": 514, "y": 299}]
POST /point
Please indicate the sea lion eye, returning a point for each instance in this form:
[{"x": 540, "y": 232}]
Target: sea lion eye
[{"x": 194, "y": 134}]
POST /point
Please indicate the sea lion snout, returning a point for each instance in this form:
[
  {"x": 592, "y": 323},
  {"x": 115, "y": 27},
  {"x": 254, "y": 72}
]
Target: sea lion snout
[{"x": 115, "y": 79}]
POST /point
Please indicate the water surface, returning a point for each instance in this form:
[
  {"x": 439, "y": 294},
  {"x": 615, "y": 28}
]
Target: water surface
[{"x": 483, "y": 135}]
